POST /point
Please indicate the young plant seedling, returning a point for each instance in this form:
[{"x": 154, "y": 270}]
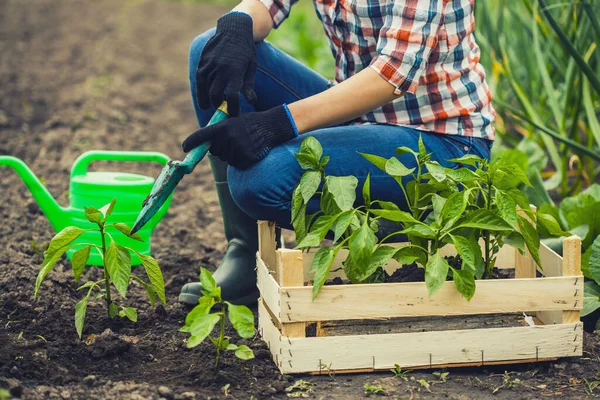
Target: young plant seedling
[
  {"x": 400, "y": 373},
  {"x": 117, "y": 266},
  {"x": 200, "y": 322},
  {"x": 445, "y": 206},
  {"x": 372, "y": 389}
]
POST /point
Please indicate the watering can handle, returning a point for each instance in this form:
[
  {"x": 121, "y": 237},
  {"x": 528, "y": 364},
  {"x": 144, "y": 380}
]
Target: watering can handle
[{"x": 83, "y": 161}]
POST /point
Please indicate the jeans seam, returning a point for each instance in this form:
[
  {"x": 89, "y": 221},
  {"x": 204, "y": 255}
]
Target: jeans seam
[{"x": 279, "y": 81}]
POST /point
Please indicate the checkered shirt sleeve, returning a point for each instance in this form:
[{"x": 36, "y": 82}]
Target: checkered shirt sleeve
[
  {"x": 279, "y": 9},
  {"x": 408, "y": 35}
]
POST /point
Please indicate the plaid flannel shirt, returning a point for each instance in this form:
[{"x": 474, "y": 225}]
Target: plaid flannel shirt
[{"x": 424, "y": 48}]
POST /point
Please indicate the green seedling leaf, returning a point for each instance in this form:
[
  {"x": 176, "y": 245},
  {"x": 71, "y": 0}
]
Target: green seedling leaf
[
  {"x": 551, "y": 224},
  {"x": 465, "y": 282},
  {"x": 118, "y": 265},
  {"x": 342, "y": 224},
  {"x": 126, "y": 230},
  {"x": 155, "y": 275},
  {"x": 467, "y": 159},
  {"x": 404, "y": 150},
  {"x": 381, "y": 256},
  {"x": 521, "y": 199},
  {"x": 130, "y": 313},
  {"x": 231, "y": 347},
  {"x": 328, "y": 203},
  {"x": 209, "y": 284},
  {"x": 49, "y": 262},
  {"x": 436, "y": 170},
  {"x": 506, "y": 208},
  {"x": 512, "y": 170},
  {"x": 312, "y": 148},
  {"x": 408, "y": 255},
  {"x": 87, "y": 285},
  {"x": 419, "y": 230},
  {"x": 366, "y": 190},
  {"x": 453, "y": 208},
  {"x": 484, "y": 219},
  {"x": 93, "y": 215},
  {"x": 515, "y": 239},
  {"x": 361, "y": 244},
  {"x": 63, "y": 238},
  {"x": 108, "y": 209},
  {"x": 531, "y": 237},
  {"x": 201, "y": 328},
  {"x": 244, "y": 352},
  {"x": 205, "y": 303},
  {"x": 461, "y": 175},
  {"x": 377, "y": 161},
  {"x": 422, "y": 150},
  {"x": 113, "y": 310},
  {"x": 321, "y": 266},
  {"x": 80, "y": 258},
  {"x": 324, "y": 161},
  {"x": 241, "y": 319},
  {"x": 591, "y": 298},
  {"x": 343, "y": 190},
  {"x": 395, "y": 168},
  {"x": 395, "y": 215},
  {"x": 309, "y": 184},
  {"x": 436, "y": 272},
  {"x": 149, "y": 290},
  {"x": 80, "y": 311},
  {"x": 438, "y": 203},
  {"x": 297, "y": 203},
  {"x": 307, "y": 162},
  {"x": 318, "y": 231},
  {"x": 464, "y": 247}
]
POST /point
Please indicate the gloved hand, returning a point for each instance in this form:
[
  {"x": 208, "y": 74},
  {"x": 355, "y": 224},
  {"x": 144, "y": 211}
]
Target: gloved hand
[
  {"x": 244, "y": 140},
  {"x": 228, "y": 64}
]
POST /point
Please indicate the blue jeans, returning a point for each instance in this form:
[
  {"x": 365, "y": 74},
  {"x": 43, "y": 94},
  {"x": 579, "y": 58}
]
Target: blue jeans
[{"x": 264, "y": 191}]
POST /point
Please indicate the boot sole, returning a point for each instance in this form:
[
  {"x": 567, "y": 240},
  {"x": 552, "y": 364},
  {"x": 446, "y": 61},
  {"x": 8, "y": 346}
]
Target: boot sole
[{"x": 248, "y": 300}]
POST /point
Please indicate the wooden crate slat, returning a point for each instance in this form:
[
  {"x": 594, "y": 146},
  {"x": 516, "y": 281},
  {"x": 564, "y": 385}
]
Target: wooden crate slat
[
  {"x": 420, "y": 349},
  {"x": 269, "y": 333},
  {"x": 268, "y": 287},
  {"x": 347, "y": 302}
]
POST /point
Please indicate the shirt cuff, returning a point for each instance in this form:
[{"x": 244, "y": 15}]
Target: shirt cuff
[
  {"x": 389, "y": 69},
  {"x": 277, "y": 10}
]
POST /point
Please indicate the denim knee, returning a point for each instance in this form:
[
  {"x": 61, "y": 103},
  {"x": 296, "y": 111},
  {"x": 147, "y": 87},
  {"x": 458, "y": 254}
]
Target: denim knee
[{"x": 258, "y": 192}]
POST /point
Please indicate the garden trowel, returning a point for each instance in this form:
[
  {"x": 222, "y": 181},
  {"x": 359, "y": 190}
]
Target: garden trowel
[{"x": 172, "y": 173}]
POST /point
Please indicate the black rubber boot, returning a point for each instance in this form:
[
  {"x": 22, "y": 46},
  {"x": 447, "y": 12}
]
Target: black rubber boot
[{"x": 236, "y": 275}]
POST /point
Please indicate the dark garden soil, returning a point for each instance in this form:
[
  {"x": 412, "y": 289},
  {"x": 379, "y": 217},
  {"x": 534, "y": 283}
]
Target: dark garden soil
[{"x": 77, "y": 75}]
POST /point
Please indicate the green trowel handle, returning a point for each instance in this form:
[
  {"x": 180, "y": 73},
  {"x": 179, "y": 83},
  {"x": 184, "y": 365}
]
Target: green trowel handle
[
  {"x": 198, "y": 153},
  {"x": 83, "y": 161}
]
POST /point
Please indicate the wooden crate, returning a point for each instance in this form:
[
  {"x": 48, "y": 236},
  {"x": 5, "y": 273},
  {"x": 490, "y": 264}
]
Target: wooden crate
[{"x": 286, "y": 310}]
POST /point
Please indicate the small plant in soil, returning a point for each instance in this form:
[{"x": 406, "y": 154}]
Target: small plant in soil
[
  {"x": 456, "y": 206},
  {"x": 400, "y": 373},
  {"x": 373, "y": 389},
  {"x": 200, "y": 321},
  {"x": 117, "y": 266}
]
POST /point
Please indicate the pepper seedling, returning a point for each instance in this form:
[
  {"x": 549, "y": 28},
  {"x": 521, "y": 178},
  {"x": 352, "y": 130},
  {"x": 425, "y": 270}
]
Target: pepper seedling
[
  {"x": 200, "y": 322},
  {"x": 117, "y": 266}
]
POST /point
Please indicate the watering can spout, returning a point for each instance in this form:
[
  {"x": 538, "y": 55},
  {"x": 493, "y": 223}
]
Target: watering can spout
[{"x": 55, "y": 213}]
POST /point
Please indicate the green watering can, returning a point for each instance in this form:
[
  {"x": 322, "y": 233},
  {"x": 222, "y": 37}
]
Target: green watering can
[{"x": 96, "y": 189}]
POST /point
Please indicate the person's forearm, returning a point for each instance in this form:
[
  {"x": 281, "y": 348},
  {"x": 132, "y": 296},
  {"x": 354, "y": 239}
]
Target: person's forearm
[
  {"x": 352, "y": 98},
  {"x": 262, "y": 22}
]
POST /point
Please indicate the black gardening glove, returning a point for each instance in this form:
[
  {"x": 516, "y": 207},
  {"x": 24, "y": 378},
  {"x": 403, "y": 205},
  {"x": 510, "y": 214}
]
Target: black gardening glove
[
  {"x": 227, "y": 64},
  {"x": 247, "y": 139}
]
